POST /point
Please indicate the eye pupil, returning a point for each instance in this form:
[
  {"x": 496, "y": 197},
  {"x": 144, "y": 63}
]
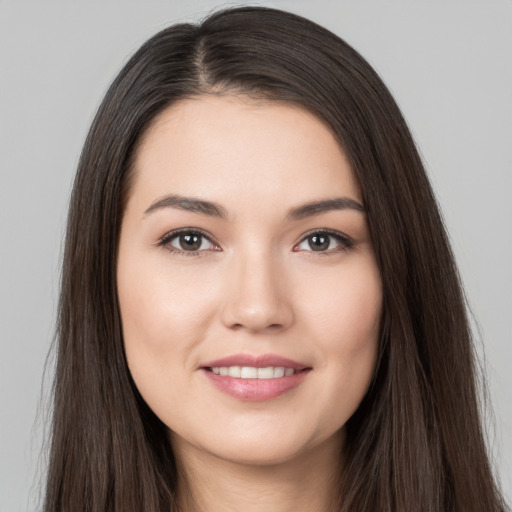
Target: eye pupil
[
  {"x": 190, "y": 242},
  {"x": 318, "y": 242}
]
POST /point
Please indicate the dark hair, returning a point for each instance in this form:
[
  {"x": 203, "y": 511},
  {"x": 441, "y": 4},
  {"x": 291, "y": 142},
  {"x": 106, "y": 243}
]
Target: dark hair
[{"x": 416, "y": 441}]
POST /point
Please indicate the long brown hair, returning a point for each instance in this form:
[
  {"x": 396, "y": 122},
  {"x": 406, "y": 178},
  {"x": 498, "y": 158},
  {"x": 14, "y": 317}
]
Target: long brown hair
[{"x": 416, "y": 441}]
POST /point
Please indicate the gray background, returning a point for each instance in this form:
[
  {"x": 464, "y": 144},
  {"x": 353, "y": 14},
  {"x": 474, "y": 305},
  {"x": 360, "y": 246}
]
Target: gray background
[{"x": 449, "y": 65}]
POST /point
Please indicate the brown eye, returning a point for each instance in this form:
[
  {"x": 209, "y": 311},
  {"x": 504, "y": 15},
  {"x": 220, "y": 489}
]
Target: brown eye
[
  {"x": 190, "y": 242},
  {"x": 325, "y": 241},
  {"x": 319, "y": 242},
  {"x": 187, "y": 242}
]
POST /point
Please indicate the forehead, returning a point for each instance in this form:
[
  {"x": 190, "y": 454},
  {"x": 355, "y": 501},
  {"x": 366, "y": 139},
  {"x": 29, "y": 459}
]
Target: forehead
[{"x": 231, "y": 147}]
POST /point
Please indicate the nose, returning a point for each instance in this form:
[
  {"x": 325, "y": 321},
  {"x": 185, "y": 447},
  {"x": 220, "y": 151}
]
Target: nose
[{"x": 257, "y": 296}]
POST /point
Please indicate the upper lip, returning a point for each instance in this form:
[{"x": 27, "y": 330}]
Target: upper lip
[{"x": 261, "y": 361}]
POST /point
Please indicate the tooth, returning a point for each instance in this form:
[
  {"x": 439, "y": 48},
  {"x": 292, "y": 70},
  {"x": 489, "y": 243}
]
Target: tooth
[
  {"x": 249, "y": 372},
  {"x": 234, "y": 371},
  {"x": 279, "y": 372},
  {"x": 266, "y": 373}
]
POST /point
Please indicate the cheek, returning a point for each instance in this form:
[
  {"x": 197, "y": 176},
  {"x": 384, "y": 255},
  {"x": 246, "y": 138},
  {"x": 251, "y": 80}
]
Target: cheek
[
  {"x": 345, "y": 322},
  {"x": 164, "y": 316},
  {"x": 157, "y": 305},
  {"x": 345, "y": 307}
]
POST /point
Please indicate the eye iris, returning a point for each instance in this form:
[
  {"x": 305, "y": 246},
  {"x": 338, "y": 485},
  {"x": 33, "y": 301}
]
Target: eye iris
[
  {"x": 190, "y": 242},
  {"x": 318, "y": 242}
]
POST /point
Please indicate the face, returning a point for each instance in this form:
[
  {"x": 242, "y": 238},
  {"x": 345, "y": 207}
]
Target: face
[{"x": 249, "y": 292}]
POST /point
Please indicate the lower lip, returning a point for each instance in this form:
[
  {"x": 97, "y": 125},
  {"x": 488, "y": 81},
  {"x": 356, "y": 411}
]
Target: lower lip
[{"x": 255, "y": 389}]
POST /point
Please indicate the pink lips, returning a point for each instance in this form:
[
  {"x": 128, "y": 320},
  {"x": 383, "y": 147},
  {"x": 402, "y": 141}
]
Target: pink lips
[
  {"x": 262, "y": 361},
  {"x": 255, "y": 389}
]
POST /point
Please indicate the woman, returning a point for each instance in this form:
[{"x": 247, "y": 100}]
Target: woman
[{"x": 259, "y": 306}]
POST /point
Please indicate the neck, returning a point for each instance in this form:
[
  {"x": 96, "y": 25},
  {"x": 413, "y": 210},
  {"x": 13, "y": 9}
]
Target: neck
[{"x": 308, "y": 483}]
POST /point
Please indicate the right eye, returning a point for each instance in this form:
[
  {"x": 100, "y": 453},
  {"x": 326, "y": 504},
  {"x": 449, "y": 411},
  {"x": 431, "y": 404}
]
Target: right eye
[{"x": 187, "y": 242}]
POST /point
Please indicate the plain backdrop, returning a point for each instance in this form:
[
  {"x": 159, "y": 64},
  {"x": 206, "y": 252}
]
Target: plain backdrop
[{"x": 449, "y": 65}]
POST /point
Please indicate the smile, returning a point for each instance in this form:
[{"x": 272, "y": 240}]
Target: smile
[
  {"x": 250, "y": 372},
  {"x": 255, "y": 378}
]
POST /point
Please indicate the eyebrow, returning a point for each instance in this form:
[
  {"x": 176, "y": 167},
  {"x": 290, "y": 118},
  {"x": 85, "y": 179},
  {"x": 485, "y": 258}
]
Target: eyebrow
[
  {"x": 212, "y": 209},
  {"x": 190, "y": 204},
  {"x": 318, "y": 207}
]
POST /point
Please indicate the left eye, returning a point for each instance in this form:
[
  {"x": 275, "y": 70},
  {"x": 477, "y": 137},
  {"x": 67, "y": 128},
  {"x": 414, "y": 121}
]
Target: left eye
[
  {"x": 188, "y": 241},
  {"x": 323, "y": 242}
]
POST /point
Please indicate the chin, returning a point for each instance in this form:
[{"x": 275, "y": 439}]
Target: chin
[
  {"x": 261, "y": 448},
  {"x": 260, "y": 454}
]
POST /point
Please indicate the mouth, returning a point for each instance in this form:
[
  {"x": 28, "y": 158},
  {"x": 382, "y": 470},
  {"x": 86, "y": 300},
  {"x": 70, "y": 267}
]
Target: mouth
[
  {"x": 255, "y": 378},
  {"x": 252, "y": 372}
]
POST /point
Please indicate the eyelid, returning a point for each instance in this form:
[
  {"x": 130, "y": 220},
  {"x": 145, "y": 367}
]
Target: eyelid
[
  {"x": 344, "y": 240},
  {"x": 164, "y": 241}
]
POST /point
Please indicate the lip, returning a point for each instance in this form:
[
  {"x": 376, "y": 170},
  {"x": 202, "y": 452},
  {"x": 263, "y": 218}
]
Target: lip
[
  {"x": 261, "y": 361},
  {"x": 256, "y": 389}
]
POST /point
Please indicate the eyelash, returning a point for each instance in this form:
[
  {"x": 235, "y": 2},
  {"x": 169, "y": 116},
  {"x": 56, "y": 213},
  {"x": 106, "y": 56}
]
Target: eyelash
[
  {"x": 167, "y": 238},
  {"x": 345, "y": 243}
]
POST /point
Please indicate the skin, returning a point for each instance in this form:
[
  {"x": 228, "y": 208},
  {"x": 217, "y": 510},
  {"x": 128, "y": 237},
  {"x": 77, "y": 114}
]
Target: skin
[{"x": 255, "y": 286}]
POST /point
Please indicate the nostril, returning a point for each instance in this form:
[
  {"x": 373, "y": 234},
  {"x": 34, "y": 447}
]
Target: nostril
[{"x": 255, "y": 313}]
